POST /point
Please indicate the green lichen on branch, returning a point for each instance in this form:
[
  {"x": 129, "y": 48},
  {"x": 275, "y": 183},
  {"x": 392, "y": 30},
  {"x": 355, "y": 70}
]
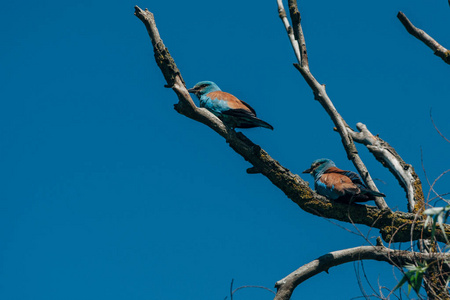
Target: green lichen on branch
[
  {"x": 418, "y": 194},
  {"x": 166, "y": 63},
  {"x": 416, "y": 184}
]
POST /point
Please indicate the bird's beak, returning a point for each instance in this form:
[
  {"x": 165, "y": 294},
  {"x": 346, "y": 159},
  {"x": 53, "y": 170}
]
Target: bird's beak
[
  {"x": 307, "y": 170},
  {"x": 192, "y": 90}
]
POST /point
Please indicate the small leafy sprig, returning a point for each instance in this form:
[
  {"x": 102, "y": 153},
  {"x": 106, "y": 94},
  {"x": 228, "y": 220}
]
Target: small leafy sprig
[
  {"x": 414, "y": 277},
  {"x": 439, "y": 215}
]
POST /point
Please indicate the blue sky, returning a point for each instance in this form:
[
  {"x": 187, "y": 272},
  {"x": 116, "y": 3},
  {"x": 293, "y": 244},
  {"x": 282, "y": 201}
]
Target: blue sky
[{"x": 108, "y": 193}]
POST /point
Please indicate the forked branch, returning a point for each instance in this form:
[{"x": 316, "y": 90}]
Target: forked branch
[
  {"x": 388, "y": 157},
  {"x": 299, "y": 46},
  {"x": 382, "y": 151}
]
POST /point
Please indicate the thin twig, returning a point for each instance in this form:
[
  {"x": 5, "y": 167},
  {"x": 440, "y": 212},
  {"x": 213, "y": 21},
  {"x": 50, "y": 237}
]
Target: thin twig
[
  {"x": 254, "y": 286},
  {"x": 434, "y": 182},
  {"x": 435, "y": 127},
  {"x": 231, "y": 289},
  {"x": 367, "y": 279},
  {"x": 358, "y": 279}
]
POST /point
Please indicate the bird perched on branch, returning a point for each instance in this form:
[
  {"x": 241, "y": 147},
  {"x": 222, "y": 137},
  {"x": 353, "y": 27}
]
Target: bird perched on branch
[
  {"x": 233, "y": 112},
  {"x": 339, "y": 185}
]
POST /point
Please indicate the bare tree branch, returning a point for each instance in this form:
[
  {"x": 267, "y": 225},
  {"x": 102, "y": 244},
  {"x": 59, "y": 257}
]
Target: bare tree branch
[
  {"x": 425, "y": 38},
  {"x": 253, "y": 286},
  {"x": 321, "y": 96},
  {"x": 396, "y": 258},
  {"x": 298, "y": 32},
  {"x": 290, "y": 32},
  {"x": 393, "y": 226},
  {"x": 233, "y": 291},
  {"x": 388, "y": 157}
]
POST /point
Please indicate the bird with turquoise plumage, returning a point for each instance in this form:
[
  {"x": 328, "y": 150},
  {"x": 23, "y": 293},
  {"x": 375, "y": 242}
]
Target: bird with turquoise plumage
[
  {"x": 233, "y": 112},
  {"x": 339, "y": 185}
]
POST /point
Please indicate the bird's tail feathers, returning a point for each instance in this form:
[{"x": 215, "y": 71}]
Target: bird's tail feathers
[
  {"x": 244, "y": 119},
  {"x": 262, "y": 123},
  {"x": 373, "y": 193}
]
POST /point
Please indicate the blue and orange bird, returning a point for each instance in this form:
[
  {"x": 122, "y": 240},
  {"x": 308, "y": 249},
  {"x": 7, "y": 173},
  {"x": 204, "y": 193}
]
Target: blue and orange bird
[
  {"x": 233, "y": 112},
  {"x": 339, "y": 185}
]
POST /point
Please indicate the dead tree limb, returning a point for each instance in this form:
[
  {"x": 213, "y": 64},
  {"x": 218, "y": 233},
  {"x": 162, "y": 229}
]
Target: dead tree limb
[
  {"x": 382, "y": 151},
  {"x": 285, "y": 287},
  {"x": 393, "y": 226},
  {"x": 425, "y": 38},
  {"x": 388, "y": 157}
]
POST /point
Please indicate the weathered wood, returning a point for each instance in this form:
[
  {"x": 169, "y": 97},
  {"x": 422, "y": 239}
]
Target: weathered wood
[{"x": 393, "y": 226}]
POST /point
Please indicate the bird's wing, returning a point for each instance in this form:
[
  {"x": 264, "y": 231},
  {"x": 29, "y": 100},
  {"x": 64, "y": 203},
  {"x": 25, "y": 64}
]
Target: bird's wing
[
  {"x": 232, "y": 101},
  {"x": 249, "y": 107},
  {"x": 351, "y": 175},
  {"x": 339, "y": 183},
  {"x": 357, "y": 186},
  {"x": 240, "y": 113}
]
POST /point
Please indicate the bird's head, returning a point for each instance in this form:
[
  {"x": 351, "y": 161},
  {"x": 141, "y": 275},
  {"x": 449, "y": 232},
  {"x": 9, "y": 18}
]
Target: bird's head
[
  {"x": 204, "y": 87},
  {"x": 319, "y": 166}
]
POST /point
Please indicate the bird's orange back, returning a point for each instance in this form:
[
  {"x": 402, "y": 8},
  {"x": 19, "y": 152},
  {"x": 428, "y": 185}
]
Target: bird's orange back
[{"x": 232, "y": 101}]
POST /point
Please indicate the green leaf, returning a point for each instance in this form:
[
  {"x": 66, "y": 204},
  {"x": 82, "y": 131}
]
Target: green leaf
[
  {"x": 446, "y": 215},
  {"x": 402, "y": 282},
  {"x": 419, "y": 282},
  {"x": 433, "y": 228},
  {"x": 440, "y": 216},
  {"x": 410, "y": 267},
  {"x": 414, "y": 277}
]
